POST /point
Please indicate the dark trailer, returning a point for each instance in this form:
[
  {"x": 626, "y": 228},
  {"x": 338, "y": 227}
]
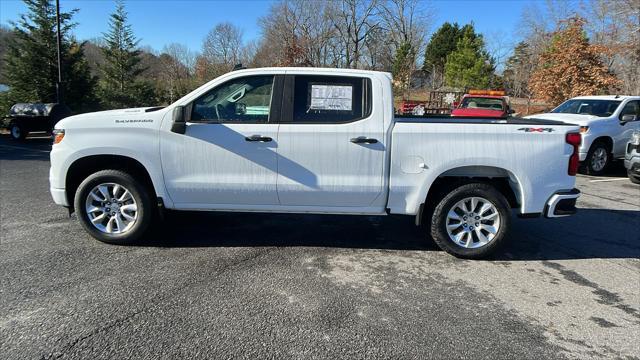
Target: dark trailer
[{"x": 25, "y": 118}]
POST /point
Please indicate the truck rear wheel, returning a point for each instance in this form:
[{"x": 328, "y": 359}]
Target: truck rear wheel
[
  {"x": 113, "y": 207},
  {"x": 471, "y": 221}
]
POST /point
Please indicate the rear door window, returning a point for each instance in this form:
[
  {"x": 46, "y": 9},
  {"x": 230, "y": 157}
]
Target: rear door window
[{"x": 330, "y": 99}]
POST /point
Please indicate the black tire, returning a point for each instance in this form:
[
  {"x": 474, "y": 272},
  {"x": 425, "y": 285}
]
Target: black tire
[
  {"x": 589, "y": 163},
  {"x": 438, "y": 221},
  {"x": 141, "y": 195},
  {"x": 635, "y": 178},
  {"x": 17, "y": 132}
]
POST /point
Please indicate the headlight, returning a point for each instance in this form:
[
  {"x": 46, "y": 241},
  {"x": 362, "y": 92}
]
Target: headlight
[
  {"x": 635, "y": 138},
  {"x": 58, "y": 135}
]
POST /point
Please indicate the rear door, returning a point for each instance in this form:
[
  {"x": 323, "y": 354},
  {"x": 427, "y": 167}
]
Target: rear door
[{"x": 331, "y": 143}]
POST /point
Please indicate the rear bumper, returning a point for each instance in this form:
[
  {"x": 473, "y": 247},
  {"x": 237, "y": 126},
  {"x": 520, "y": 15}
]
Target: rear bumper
[
  {"x": 59, "y": 196},
  {"x": 562, "y": 204}
]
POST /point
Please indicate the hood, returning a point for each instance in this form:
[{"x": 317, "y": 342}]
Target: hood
[
  {"x": 93, "y": 118},
  {"x": 577, "y": 119}
]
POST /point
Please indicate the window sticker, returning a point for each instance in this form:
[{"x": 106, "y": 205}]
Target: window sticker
[{"x": 331, "y": 97}]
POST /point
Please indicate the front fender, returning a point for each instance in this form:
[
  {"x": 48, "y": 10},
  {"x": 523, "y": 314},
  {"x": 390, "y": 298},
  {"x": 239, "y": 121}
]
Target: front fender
[{"x": 140, "y": 145}]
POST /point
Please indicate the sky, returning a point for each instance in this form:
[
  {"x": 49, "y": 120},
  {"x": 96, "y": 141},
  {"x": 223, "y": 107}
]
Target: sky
[{"x": 161, "y": 22}]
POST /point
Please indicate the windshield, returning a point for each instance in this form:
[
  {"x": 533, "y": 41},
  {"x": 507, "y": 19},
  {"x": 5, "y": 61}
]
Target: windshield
[
  {"x": 482, "y": 103},
  {"x": 600, "y": 108}
]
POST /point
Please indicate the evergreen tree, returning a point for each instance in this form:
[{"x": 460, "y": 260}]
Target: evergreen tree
[
  {"x": 442, "y": 43},
  {"x": 403, "y": 66},
  {"x": 30, "y": 63},
  {"x": 119, "y": 85},
  {"x": 469, "y": 66}
]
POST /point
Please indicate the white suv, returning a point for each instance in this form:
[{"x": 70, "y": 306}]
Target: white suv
[{"x": 606, "y": 123}]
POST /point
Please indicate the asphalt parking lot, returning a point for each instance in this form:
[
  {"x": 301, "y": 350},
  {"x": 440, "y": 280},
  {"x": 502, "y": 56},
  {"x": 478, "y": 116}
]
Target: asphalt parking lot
[{"x": 292, "y": 286}]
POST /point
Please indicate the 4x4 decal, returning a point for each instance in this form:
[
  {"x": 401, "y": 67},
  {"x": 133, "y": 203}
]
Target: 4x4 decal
[{"x": 536, "y": 129}]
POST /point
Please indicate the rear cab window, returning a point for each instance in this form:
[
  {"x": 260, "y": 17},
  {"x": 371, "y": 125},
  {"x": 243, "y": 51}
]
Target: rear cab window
[{"x": 482, "y": 103}]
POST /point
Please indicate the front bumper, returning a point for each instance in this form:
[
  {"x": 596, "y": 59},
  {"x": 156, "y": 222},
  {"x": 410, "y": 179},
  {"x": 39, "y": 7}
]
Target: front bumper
[
  {"x": 59, "y": 196},
  {"x": 562, "y": 204}
]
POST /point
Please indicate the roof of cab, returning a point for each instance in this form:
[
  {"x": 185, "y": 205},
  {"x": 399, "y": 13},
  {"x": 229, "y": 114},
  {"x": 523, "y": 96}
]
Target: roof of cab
[
  {"x": 607, "y": 97},
  {"x": 315, "y": 70}
]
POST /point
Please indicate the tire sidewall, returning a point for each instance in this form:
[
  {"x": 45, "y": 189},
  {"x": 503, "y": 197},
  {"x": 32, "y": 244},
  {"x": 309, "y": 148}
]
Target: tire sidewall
[
  {"x": 592, "y": 150},
  {"x": 439, "y": 218},
  {"x": 21, "y": 136},
  {"x": 137, "y": 191}
]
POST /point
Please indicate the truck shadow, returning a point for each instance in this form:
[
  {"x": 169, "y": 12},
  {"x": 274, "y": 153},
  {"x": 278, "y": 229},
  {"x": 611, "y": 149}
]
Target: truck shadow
[{"x": 593, "y": 233}]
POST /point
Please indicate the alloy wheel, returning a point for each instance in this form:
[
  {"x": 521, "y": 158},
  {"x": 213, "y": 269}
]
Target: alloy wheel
[
  {"x": 111, "y": 208},
  {"x": 599, "y": 159},
  {"x": 473, "y": 222}
]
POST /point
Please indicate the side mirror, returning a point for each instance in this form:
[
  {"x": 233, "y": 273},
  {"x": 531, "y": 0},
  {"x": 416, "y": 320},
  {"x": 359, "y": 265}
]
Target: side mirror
[
  {"x": 628, "y": 117},
  {"x": 179, "y": 125},
  {"x": 241, "y": 109}
]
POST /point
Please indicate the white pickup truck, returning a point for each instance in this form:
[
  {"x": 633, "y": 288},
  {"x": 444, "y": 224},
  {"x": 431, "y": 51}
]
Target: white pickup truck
[
  {"x": 306, "y": 140},
  {"x": 606, "y": 124}
]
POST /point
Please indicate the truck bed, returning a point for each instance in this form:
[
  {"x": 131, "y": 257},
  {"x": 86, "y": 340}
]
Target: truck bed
[
  {"x": 440, "y": 119},
  {"x": 531, "y": 153}
]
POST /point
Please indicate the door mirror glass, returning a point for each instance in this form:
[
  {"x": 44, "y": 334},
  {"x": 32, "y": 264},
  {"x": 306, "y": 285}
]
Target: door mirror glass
[
  {"x": 179, "y": 125},
  {"x": 241, "y": 108},
  {"x": 628, "y": 117}
]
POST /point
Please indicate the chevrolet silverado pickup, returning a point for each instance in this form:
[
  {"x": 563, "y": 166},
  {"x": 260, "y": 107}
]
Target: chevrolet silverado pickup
[
  {"x": 304, "y": 140},
  {"x": 606, "y": 124}
]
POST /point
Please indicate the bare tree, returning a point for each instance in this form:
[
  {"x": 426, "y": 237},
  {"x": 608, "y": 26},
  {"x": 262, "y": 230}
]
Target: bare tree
[
  {"x": 616, "y": 26},
  {"x": 222, "y": 48},
  {"x": 178, "y": 64},
  {"x": 354, "y": 21},
  {"x": 406, "y": 23}
]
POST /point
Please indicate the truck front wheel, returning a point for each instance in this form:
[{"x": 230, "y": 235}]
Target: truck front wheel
[
  {"x": 113, "y": 207},
  {"x": 598, "y": 159},
  {"x": 471, "y": 221}
]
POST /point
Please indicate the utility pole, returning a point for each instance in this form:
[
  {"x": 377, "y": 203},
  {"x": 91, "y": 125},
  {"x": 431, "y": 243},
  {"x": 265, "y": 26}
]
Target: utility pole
[{"x": 59, "y": 87}]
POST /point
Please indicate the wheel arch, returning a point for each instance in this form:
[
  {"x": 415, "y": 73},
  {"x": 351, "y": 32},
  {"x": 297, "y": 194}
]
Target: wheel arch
[
  {"x": 82, "y": 167},
  {"x": 505, "y": 181},
  {"x": 608, "y": 140}
]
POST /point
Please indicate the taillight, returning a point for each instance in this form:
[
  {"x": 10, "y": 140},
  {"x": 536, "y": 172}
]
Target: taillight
[{"x": 574, "y": 139}]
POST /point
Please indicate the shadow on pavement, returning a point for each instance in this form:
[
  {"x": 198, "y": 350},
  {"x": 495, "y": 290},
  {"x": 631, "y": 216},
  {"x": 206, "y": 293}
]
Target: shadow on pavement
[
  {"x": 592, "y": 233},
  {"x": 32, "y": 148},
  {"x": 614, "y": 170}
]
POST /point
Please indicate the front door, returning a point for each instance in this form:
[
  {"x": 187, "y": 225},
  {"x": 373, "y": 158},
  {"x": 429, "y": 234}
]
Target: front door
[
  {"x": 627, "y": 128},
  {"x": 331, "y": 145},
  {"x": 227, "y": 156}
]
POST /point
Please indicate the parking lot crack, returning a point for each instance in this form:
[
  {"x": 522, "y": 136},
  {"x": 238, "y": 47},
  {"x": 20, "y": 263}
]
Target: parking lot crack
[{"x": 605, "y": 297}]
